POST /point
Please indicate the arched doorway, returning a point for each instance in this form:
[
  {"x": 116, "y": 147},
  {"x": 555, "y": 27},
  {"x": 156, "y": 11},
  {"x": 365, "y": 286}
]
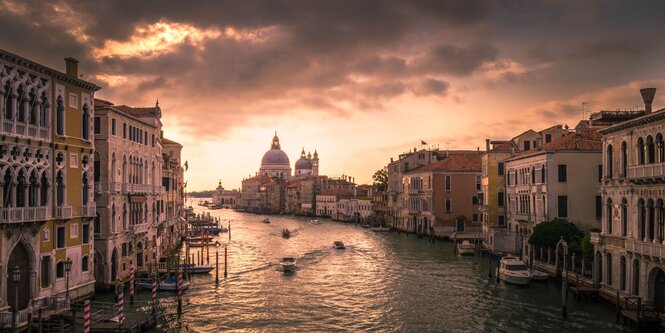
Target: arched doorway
[
  {"x": 114, "y": 264},
  {"x": 659, "y": 289},
  {"x": 100, "y": 271},
  {"x": 20, "y": 257}
]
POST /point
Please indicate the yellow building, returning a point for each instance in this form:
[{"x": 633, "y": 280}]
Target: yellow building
[
  {"x": 46, "y": 185},
  {"x": 493, "y": 203}
]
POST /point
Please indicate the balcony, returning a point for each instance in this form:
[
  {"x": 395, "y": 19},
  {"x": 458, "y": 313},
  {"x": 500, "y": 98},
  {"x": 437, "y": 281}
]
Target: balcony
[
  {"x": 126, "y": 188},
  {"x": 140, "y": 188},
  {"x": 654, "y": 250},
  {"x": 646, "y": 171},
  {"x": 18, "y": 128},
  {"x": 140, "y": 228},
  {"x": 24, "y": 214},
  {"x": 63, "y": 212},
  {"x": 89, "y": 211},
  {"x": 115, "y": 188}
]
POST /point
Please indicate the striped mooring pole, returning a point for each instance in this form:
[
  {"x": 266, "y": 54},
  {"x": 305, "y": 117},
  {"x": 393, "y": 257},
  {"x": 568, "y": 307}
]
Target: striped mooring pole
[
  {"x": 131, "y": 285},
  {"x": 179, "y": 290},
  {"x": 86, "y": 316},
  {"x": 120, "y": 295},
  {"x": 154, "y": 296}
]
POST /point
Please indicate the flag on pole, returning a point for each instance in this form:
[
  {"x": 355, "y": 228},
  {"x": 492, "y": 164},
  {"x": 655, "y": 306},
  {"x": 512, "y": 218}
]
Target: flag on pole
[
  {"x": 423, "y": 142},
  {"x": 186, "y": 165}
]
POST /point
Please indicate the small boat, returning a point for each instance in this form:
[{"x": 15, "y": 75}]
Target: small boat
[
  {"x": 513, "y": 270},
  {"x": 196, "y": 269},
  {"x": 288, "y": 263},
  {"x": 266, "y": 220},
  {"x": 539, "y": 276},
  {"x": 380, "y": 229},
  {"x": 339, "y": 245},
  {"x": 314, "y": 221},
  {"x": 465, "y": 247},
  {"x": 168, "y": 284},
  {"x": 286, "y": 233}
]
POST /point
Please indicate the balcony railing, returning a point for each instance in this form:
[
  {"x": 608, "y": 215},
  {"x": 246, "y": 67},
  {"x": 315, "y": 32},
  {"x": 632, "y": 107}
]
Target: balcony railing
[
  {"x": 140, "y": 228},
  {"x": 115, "y": 188},
  {"x": 63, "y": 212},
  {"x": 89, "y": 211},
  {"x": 647, "y": 170},
  {"x": 24, "y": 214},
  {"x": 645, "y": 248},
  {"x": 23, "y": 129},
  {"x": 126, "y": 188}
]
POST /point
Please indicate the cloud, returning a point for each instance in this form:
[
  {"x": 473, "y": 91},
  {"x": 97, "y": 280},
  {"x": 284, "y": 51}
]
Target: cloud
[
  {"x": 430, "y": 86},
  {"x": 457, "y": 60},
  {"x": 609, "y": 47}
]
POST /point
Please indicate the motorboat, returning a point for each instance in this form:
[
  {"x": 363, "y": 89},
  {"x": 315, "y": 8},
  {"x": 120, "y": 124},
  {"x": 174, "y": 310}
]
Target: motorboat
[
  {"x": 314, "y": 221},
  {"x": 513, "y": 270},
  {"x": 168, "y": 284},
  {"x": 466, "y": 248},
  {"x": 196, "y": 269},
  {"x": 380, "y": 229},
  {"x": 288, "y": 263},
  {"x": 286, "y": 233},
  {"x": 339, "y": 245},
  {"x": 266, "y": 220},
  {"x": 538, "y": 275}
]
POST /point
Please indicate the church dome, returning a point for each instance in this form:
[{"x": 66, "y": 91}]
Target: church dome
[
  {"x": 303, "y": 162},
  {"x": 275, "y": 156}
]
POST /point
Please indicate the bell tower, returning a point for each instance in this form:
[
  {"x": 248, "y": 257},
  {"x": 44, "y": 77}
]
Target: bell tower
[{"x": 315, "y": 163}]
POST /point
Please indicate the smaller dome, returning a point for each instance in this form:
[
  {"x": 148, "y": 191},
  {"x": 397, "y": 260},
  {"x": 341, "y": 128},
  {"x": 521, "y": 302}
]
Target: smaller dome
[{"x": 303, "y": 163}]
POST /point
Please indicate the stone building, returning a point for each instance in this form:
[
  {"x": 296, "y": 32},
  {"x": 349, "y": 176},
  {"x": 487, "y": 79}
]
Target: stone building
[
  {"x": 173, "y": 197},
  {"x": 225, "y": 198},
  {"x": 46, "y": 212},
  {"x": 630, "y": 249}
]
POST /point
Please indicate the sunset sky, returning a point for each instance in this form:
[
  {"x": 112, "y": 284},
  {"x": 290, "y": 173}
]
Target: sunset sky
[{"x": 360, "y": 81}]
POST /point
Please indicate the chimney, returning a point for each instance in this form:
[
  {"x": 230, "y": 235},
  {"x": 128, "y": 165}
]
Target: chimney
[
  {"x": 487, "y": 144},
  {"x": 72, "y": 67},
  {"x": 647, "y": 97}
]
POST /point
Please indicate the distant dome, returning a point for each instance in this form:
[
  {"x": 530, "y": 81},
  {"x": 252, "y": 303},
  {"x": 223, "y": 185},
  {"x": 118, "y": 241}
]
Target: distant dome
[
  {"x": 303, "y": 163},
  {"x": 275, "y": 156}
]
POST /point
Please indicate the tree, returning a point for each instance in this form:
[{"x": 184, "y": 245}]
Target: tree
[
  {"x": 587, "y": 247},
  {"x": 548, "y": 234},
  {"x": 380, "y": 178}
]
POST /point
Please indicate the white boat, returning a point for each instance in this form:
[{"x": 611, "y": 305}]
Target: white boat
[
  {"x": 288, "y": 263},
  {"x": 339, "y": 245},
  {"x": 266, "y": 220},
  {"x": 539, "y": 276},
  {"x": 197, "y": 269},
  {"x": 314, "y": 221},
  {"x": 465, "y": 247},
  {"x": 513, "y": 270},
  {"x": 380, "y": 229},
  {"x": 168, "y": 284}
]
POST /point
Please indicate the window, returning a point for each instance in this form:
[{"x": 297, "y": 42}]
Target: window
[
  {"x": 533, "y": 175},
  {"x": 60, "y": 270},
  {"x": 475, "y": 217},
  {"x": 98, "y": 125},
  {"x": 84, "y": 264},
  {"x": 610, "y": 209},
  {"x": 548, "y": 138},
  {"x": 60, "y": 117},
  {"x": 624, "y": 216},
  {"x": 153, "y": 140},
  {"x": 474, "y": 200},
  {"x": 86, "y": 233},
  {"x": 60, "y": 238},
  {"x": 542, "y": 174},
  {"x": 624, "y": 159},
  {"x": 527, "y": 145},
  {"x": 563, "y": 206},
  {"x": 113, "y": 126},
  {"x": 501, "y": 168},
  {"x": 608, "y": 278},
  {"x": 501, "y": 199},
  {"x": 610, "y": 161},
  {"x": 124, "y": 249},
  {"x": 46, "y": 271},
  {"x": 447, "y": 183},
  {"x": 599, "y": 208},
  {"x": 502, "y": 220},
  {"x": 145, "y": 136},
  {"x": 124, "y": 131},
  {"x": 478, "y": 183},
  {"x": 85, "y": 122},
  {"x": 563, "y": 173},
  {"x": 449, "y": 207},
  {"x": 600, "y": 173}
]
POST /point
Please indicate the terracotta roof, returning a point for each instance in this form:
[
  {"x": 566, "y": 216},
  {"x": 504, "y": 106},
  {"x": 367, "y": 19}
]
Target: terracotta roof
[
  {"x": 506, "y": 146},
  {"x": 167, "y": 141},
  {"x": 583, "y": 140},
  {"x": 138, "y": 112},
  {"x": 466, "y": 162}
]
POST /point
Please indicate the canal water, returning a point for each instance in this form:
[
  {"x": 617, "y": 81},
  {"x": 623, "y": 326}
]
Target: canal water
[{"x": 381, "y": 282}]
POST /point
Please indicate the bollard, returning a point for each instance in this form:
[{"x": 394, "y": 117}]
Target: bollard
[
  {"x": 225, "y": 260},
  {"x": 216, "y": 267},
  {"x": 86, "y": 316},
  {"x": 498, "y": 267},
  {"x": 120, "y": 294},
  {"x": 229, "y": 230},
  {"x": 131, "y": 284}
]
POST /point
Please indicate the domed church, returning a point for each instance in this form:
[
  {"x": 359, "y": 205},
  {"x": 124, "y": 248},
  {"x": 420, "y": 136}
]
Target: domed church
[{"x": 275, "y": 163}]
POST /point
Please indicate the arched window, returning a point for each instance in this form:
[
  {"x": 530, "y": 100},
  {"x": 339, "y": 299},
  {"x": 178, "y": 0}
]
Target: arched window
[
  {"x": 660, "y": 220},
  {"x": 651, "y": 220},
  {"x": 660, "y": 149},
  {"x": 34, "y": 108},
  {"x": 642, "y": 217},
  {"x": 20, "y": 189},
  {"x": 610, "y": 162},
  {"x": 533, "y": 175},
  {"x": 85, "y": 264},
  {"x": 44, "y": 111},
  {"x": 32, "y": 191},
  {"x": 20, "y": 111},
  {"x": 44, "y": 188},
  {"x": 624, "y": 160},
  {"x": 9, "y": 101},
  {"x": 60, "y": 116},
  {"x": 608, "y": 263},
  {"x": 608, "y": 216},
  {"x": 60, "y": 188},
  {"x": 622, "y": 273},
  {"x": 86, "y": 122},
  {"x": 7, "y": 190},
  {"x": 651, "y": 151},
  {"x": 98, "y": 225},
  {"x": 113, "y": 168},
  {"x": 113, "y": 219},
  {"x": 86, "y": 189},
  {"x": 542, "y": 174},
  {"x": 624, "y": 217},
  {"x": 124, "y": 217}
]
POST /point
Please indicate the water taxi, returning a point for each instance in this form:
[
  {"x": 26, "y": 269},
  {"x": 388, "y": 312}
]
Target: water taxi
[
  {"x": 466, "y": 248},
  {"x": 513, "y": 270}
]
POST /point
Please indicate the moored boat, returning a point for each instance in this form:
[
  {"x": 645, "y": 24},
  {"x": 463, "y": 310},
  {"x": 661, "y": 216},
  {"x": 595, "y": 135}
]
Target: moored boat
[
  {"x": 266, "y": 220},
  {"x": 288, "y": 263},
  {"x": 380, "y": 229},
  {"x": 286, "y": 233},
  {"x": 339, "y": 245},
  {"x": 168, "y": 284},
  {"x": 466, "y": 248},
  {"x": 539, "y": 276},
  {"x": 197, "y": 269},
  {"x": 513, "y": 270},
  {"x": 314, "y": 221}
]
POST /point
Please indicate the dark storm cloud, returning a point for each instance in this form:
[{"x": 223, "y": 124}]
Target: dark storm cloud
[
  {"x": 610, "y": 47},
  {"x": 457, "y": 60},
  {"x": 431, "y": 86}
]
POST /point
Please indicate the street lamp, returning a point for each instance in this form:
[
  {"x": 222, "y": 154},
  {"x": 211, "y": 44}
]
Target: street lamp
[
  {"x": 68, "y": 268},
  {"x": 16, "y": 277}
]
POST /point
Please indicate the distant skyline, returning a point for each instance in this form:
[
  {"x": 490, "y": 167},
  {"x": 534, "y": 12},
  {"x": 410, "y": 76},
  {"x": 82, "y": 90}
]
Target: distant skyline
[{"x": 360, "y": 81}]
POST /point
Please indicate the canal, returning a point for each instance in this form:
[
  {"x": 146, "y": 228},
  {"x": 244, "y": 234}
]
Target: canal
[{"x": 381, "y": 282}]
